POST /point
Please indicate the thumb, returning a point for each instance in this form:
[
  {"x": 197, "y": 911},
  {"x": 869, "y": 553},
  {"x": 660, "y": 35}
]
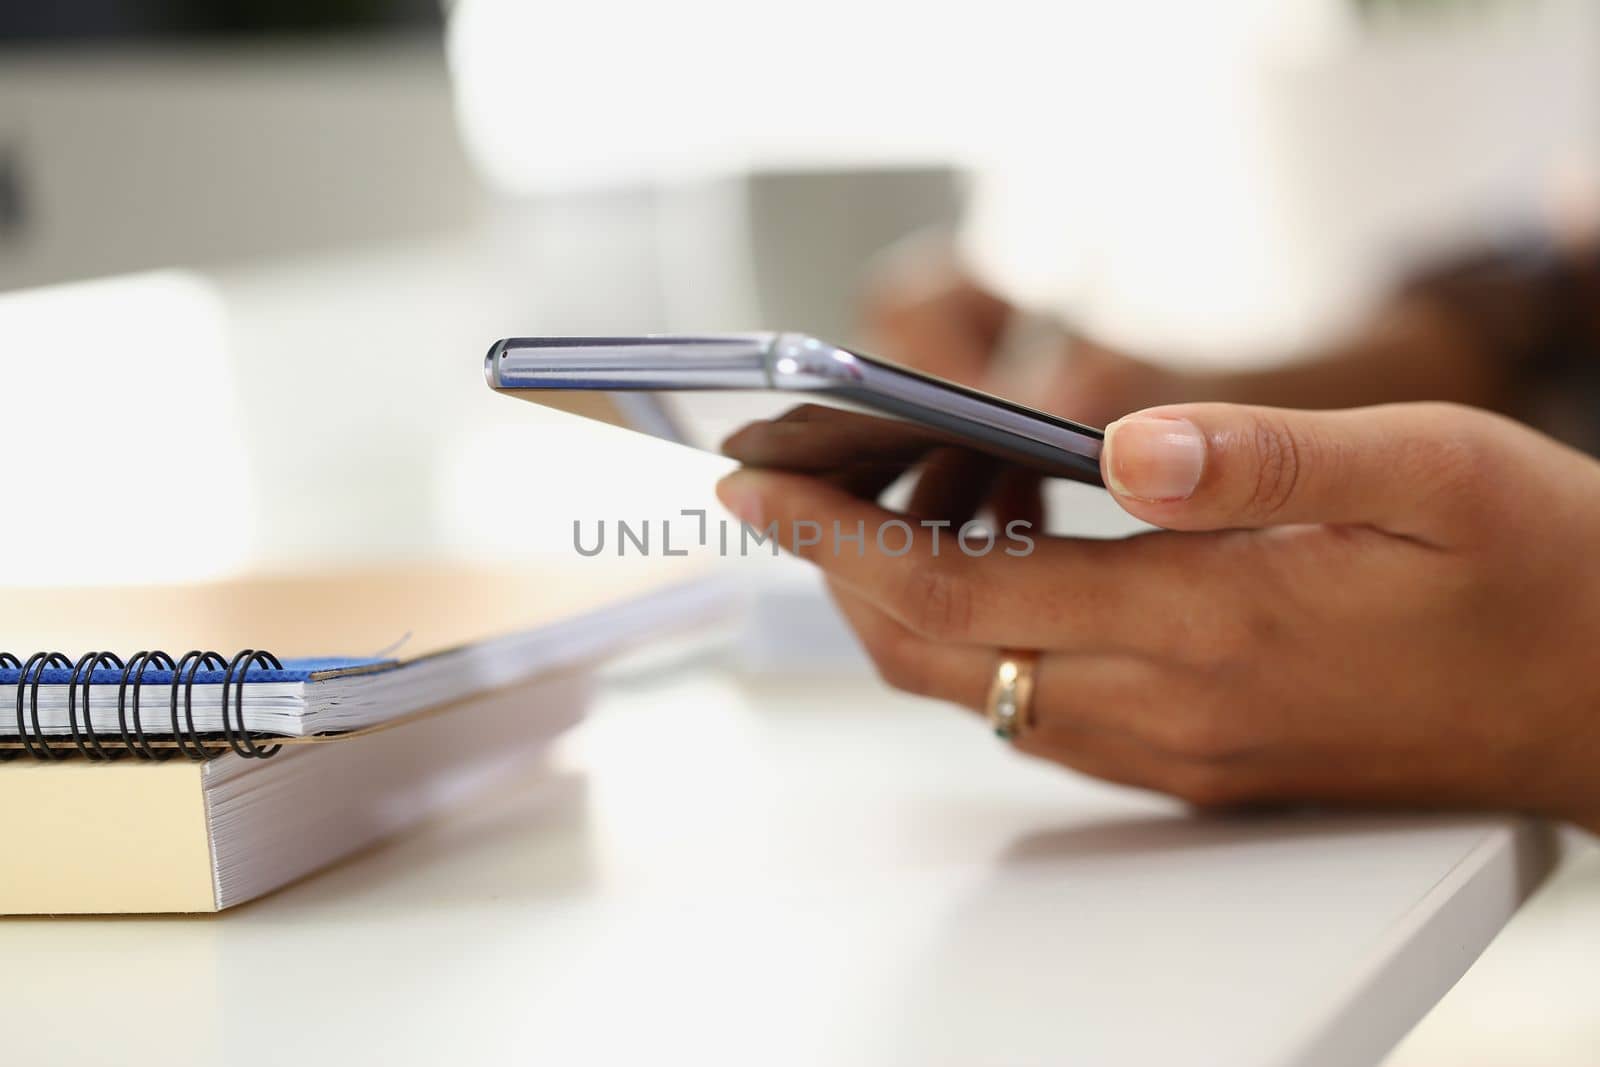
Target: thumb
[{"x": 1226, "y": 466}]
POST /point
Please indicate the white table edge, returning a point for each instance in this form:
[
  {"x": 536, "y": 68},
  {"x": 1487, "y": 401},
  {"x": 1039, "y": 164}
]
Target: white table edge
[{"x": 1428, "y": 949}]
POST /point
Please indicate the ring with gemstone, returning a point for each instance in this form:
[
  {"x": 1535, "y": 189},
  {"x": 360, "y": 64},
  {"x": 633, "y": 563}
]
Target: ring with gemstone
[{"x": 1010, "y": 700}]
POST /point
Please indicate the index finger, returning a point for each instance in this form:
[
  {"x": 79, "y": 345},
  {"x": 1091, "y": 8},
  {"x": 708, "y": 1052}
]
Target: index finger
[
  {"x": 813, "y": 438},
  {"x": 1026, "y": 591}
]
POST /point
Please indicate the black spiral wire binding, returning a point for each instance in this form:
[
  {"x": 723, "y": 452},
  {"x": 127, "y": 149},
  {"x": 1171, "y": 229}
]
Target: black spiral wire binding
[
  {"x": 85, "y": 669},
  {"x": 138, "y": 743},
  {"x": 194, "y": 662},
  {"x": 135, "y": 740},
  {"x": 241, "y": 742},
  {"x": 37, "y": 664}
]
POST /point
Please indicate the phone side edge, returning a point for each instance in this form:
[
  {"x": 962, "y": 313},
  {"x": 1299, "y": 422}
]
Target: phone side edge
[{"x": 649, "y": 362}]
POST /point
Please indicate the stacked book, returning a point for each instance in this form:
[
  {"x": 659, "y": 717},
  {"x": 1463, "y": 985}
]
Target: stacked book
[{"x": 199, "y": 746}]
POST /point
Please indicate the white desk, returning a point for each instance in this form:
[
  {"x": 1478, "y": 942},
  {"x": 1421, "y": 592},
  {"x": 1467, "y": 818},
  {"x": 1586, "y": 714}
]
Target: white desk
[{"x": 802, "y": 874}]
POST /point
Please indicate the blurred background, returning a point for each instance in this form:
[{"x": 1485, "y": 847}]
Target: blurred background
[{"x": 251, "y": 253}]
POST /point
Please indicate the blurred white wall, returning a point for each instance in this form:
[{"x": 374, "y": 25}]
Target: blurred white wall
[
  {"x": 1205, "y": 181},
  {"x": 1227, "y": 181}
]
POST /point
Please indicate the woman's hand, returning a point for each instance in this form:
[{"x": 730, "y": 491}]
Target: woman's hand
[
  {"x": 1392, "y": 605},
  {"x": 923, "y": 311},
  {"x": 1427, "y": 342}
]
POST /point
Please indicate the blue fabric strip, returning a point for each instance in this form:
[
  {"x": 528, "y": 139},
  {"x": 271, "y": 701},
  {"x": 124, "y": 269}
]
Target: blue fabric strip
[{"x": 294, "y": 670}]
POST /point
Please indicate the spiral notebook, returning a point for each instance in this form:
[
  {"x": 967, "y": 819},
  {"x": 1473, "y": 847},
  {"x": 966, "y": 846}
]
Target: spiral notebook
[
  {"x": 450, "y": 632},
  {"x": 188, "y": 780}
]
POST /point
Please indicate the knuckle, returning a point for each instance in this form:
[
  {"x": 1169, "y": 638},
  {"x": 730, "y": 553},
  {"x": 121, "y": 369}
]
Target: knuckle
[
  {"x": 1460, "y": 450},
  {"x": 883, "y": 296},
  {"x": 1205, "y": 786},
  {"x": 895, "y": 314},
  {"x": 1218, "y": 643},
  {"x": 806, "y": 412},
  {"x": 1461, "y": 460},
  {"x": 1443, "y": 416},
  {"x": 1282, "y": 454},
  {"x": 1244, "y": 638},
  {"x": 1201, "y": 736},
  {"x": 898, "y": 664},
  {"x": 936, "y": 600}
]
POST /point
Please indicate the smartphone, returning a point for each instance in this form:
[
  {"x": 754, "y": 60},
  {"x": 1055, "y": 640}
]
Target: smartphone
[{"x": 787, "y": 401}]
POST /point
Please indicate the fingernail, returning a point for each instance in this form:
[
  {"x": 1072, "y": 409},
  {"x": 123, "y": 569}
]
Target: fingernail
[
  {"x": 741, "y": 493},
  {"x": 1153, "y": 458}
]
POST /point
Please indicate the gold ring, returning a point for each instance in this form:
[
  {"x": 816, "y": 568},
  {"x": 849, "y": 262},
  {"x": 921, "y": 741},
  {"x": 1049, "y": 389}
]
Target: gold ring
[{"x": 1009, "y": 706}]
